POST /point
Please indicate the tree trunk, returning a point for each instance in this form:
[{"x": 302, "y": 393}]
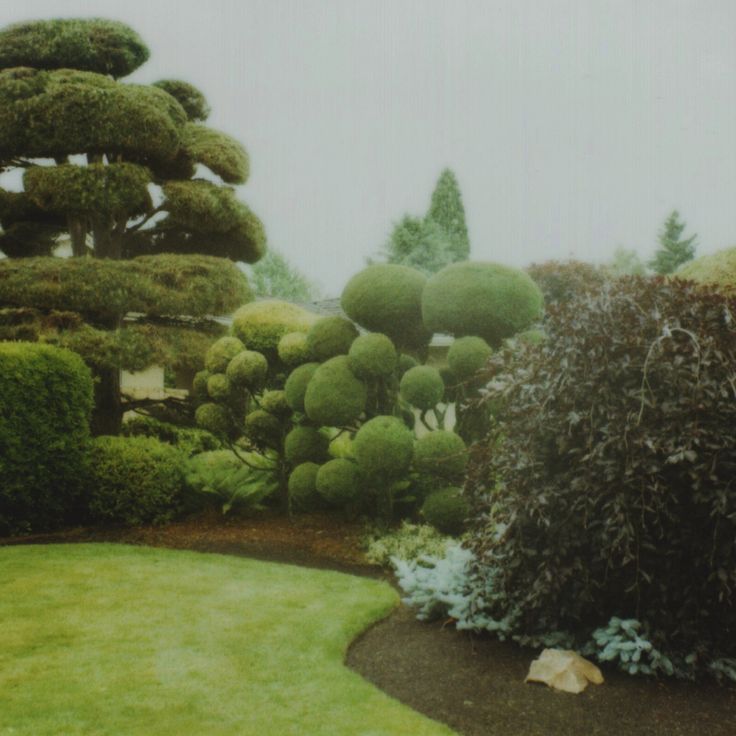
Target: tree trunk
[
  {"x": 78, "y": 235},
  {"x": 107, "y": 415}
]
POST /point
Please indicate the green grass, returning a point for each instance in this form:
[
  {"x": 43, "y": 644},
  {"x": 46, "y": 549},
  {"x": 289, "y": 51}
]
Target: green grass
[{"x": 109, "y": 639}]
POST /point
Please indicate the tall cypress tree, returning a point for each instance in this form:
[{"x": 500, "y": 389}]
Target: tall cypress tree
[
  {"x": 111, "y": 167},
  {"x": 446, "y": 209},
  {"x": 672, "y": 251}
]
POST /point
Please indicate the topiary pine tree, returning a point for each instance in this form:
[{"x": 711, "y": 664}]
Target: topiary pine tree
[
  {"x": 112, "y": 166},
  {"x": 446, "y": 209},
  {"x": 672, "y": 252}
]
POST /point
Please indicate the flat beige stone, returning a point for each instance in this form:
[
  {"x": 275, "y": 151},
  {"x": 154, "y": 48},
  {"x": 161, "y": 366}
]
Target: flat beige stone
[{"x": 563, "y": 669}]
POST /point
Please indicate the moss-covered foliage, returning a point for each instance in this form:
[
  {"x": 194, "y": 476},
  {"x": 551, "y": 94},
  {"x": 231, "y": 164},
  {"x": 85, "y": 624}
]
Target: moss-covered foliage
[
  {"x": 303, "y": 444},
  {"x": 248, "y": 369},
  {"x": 262, "y": 324},
  {"x": 220, "y": 153},
  {"x": 334, "y": 396},
  {"x": 441, "y": 453},
  {"x": 339, "y": 481},
  {"x": 384, "y": 447},
  {"x": 134, "y": 480},
  {"x": 296, "y": 385},
  {"x": 372, "y": 356},
  {"x": 422, "y": 386},
  {"x": 330, "y": 336},
  {"x": 446, "y": 510},
  {"x": 45, "y": 404},
  {"x": 387, "y": 298},
  {"x": 293, "y": 349},
  {"x": 717, "y": 270},
  {"x": 221, "y": 353},
  {"x": 483, "y": 299},
  {"x": 91, "y": 44},
  {"x": 303, "y": 487},
  {"x": 162, "y": 285},
  {"x": 467, "y": 355},
  {"x": 188, "y": 96}
]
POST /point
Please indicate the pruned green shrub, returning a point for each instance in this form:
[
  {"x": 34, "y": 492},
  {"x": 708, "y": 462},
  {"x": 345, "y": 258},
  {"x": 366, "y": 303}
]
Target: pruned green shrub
[
  {"x": 219, "y": 387},
  {"x": 134, "y": 480},
  {"x": 293, "y": 349},
  {"x": 334, "y": 396},
  {"x": 383, "y": 447},
  {"x": 274, "y": 402},
  {"x": 262, "y": 324},
  {"x": 45, "y": 405},
  {"x": 303, "y": 444},
  {"x": 221, "y": 353},
  {"x": 611, "y": 469},
  {"x": 441, "y": 453},
  {"x": 296, "y": 385},
  {"x": 214, "y": 418},
  {"x": 422, "y": 386},
  {"x": 303, "y": 494},
  {"x": 467, "y": 356},
  {"x": 482, "y": 299},
  {"x": 189, "y": 440},
  {"x": 330, "y": 336},
  {"x": 248, "y": 368},
  {"x": 446, "y": 510},
  {"x": 339, "y": 481},
  {"x": 372, "y": 356},
  {"x": 387, "y": 298},
  {"x": 263, "y": 428},
  {"x": 231, "y": 483}
]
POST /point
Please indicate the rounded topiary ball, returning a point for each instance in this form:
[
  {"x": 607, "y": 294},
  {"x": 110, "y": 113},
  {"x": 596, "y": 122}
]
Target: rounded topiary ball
[
  {"x": 330, "y": 336},
  {"x": 296, "y": 385},
  {"x": 422, "y": 386},
  {"x": 218, "y": 387},
  {"x": 387, "y": 298},
  {"x": 303, "y": 444},
  {"x": 483, "y": 299},
  {"x": 302, "y": 486},
  {"x": 334, "y": 396},
  {"x": 339, "y": 481},
  {"x": 384, "y": 446},
  {"x": 372, "y": 356},
  {"x": 263, "y": 427},
  {"x": 221, "y": 352},
  {"x": 248, "y": 368},
  {"x": 441, "y": 453},
  {"x": 467, "y": 355},
  {"x": 214, "y": 418},
  {"x": 274, "y": 402},
  {"x": 199, "y": 385},
  {"x": 293, "y": 349},
  {"x": 406, "y": 362},
  {"x": 262, "y": 324},
  {"x": 446, "y": 510}
]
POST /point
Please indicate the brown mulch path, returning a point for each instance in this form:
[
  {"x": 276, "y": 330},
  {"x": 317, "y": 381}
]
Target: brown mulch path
[{"x": 473, "y": 683}]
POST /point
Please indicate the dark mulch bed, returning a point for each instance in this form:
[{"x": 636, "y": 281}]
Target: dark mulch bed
[{"x": 474, "y": 684}]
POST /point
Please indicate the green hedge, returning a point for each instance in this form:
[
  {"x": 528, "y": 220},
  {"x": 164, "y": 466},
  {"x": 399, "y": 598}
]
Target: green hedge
[
  {"x": 45, "y": 405},
  {"x": 134, "y": 480}
]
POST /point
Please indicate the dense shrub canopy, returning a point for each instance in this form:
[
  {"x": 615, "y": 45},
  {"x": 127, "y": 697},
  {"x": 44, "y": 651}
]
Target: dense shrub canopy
[
  {"x": 564, "y": 280},
  {"x": 45, "y": 404},
  {"x": 467, "y": 355},
  {"x": 387, "y": 298},
  {"x": 372, "y": 356},
  {"x": 612, "y": 470},
  {"x": 717, "y": 270},
  {"x": 262, "y": 324},
  {"x": 334, "y": 396},
  {"x": 422, "y": 386},
  {"x": 383, "y": 447},
  {"x": 330, "y": 336},
  {"x": 483, "y": 299}
]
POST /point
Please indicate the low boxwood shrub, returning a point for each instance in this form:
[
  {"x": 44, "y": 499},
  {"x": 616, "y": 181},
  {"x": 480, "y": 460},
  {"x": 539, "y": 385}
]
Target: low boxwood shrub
[
  {"x": 134, "y": 480},
  {"x": 45, "y": 405},
  {"x": 446, "y": 510},
  {"x": 611, "y": 470}
]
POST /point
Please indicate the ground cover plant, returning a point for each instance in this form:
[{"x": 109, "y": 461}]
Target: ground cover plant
[{"x": 132, "y": 640}]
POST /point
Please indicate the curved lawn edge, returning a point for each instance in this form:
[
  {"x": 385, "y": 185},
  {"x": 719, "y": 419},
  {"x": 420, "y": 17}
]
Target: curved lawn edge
[{"x": 118, "y": 639}]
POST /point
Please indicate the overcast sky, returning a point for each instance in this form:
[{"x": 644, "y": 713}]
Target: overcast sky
[{"x": 573, "y": 126}]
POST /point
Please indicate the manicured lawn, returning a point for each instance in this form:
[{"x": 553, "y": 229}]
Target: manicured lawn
[{"x": 111, "y": 639}]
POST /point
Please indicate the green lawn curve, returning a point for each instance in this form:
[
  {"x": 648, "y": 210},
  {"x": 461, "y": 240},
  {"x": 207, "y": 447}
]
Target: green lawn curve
[{"x": 103, "y": 639}]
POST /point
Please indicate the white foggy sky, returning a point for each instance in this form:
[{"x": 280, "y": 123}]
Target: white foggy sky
[{"x": 573, "y": 126}]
